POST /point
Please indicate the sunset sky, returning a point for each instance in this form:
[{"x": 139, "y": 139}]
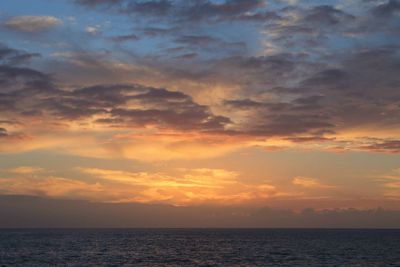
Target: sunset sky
[{"x": 279, "y": 103}]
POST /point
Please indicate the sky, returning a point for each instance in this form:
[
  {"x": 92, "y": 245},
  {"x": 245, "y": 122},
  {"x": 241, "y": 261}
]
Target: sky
[{"x": 209, "y": 103}]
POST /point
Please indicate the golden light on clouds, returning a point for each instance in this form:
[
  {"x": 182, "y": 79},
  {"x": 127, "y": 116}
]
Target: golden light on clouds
[
  {"x": 284, "y": 105},
  {"x": 185, "y": 187},
  {"x": 188, "y": 186}
]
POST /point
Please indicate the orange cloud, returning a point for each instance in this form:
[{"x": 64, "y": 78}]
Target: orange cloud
[
  {"x": 189, "y": 186},
  {"x": 185, "y": 187},
  {"x": 51, "y": 187},
  {"x": 309, "y": 182},
  {"x": 391, "y": 183},
  {"x": 25, "y": 170}
]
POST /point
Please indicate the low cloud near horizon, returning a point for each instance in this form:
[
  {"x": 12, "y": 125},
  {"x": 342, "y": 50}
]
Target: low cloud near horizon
[{"x": 34, "y": 212}]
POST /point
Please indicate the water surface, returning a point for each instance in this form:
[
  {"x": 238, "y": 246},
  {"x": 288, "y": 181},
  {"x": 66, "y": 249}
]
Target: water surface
[{"x": 199, "y": 247}]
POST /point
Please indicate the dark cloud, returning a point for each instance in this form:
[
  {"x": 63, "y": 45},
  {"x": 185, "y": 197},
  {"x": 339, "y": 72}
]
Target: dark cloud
[
  {"x": 287, "y": 95},
  {"x": 16, "y": 72},
  {"x": 10, "y": 70},
  {"x": 209, "y": 43},
  {"x": 262, "y": 16},
  {"x": 229, "y": 9},
  {"x": 318, "y": 98},
  {"x": 22, "y": 80},
  {"x": 3, "y": 132},
  {"x": 98, "y": 2},
  {"x": 333, "y": 79},
  {"x": 14, "y": 56},
  {"x": 311, "y": 139},
  {"x": 299, "y": 26},
  {"x": 364, "y": 84},
  {"x": 388, "y": 9},
  {"x": 285, "y": 119},
  {"x": 389, "y": 146},
  {"x": 244, "y": 103},
  {"x": 178, "y": 11},
  {"x": 187, "y": 56},
  {"x": 304, "y": 90},
  {"x": 10, "y": 136},
  {"x": 197, "y": 40},
  {"x": 155, "y": 31},
  {"x": 125, "y": 38},
  {"x": 326, "y": 15},
  {"x": 264, "y": 72},
  {"x": 157, "y": 107},
  {"x": 194, "y": 118},
  {"x": 154, "y": 7},
  {"x": 291, "y": 124},
  {"x": 310, "y": 28}
]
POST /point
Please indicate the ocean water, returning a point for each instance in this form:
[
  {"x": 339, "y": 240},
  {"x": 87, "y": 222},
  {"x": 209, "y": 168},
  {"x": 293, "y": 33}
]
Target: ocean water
[{"x": 198, "y": 247}]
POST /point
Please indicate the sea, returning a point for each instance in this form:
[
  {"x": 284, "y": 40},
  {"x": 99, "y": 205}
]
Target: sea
[{"x": 199, "y": 247}]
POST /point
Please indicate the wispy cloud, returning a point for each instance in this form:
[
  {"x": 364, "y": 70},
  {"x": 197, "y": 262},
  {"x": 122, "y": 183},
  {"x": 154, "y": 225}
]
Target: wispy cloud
[
  {"x": 25, "y": 170},
  {"x": 309, "y": 182},
  {"x": 32, "y": 24}
]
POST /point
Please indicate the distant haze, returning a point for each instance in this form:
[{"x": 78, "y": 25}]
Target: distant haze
[{"x": 35, "y": 212}]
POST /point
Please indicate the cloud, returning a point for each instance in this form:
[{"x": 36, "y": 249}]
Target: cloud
[
  {"x": 314, "y": 110},
  {"x": 61, "y": 213},
  {"x": 97, "y": 2},
  {"x": 325, "y": 100},
  {"x": 205, "y": 43},
  {"x": 191, "y": 178},
  {"x": 326, "y": 15},
  {"x": 122, "y": 105},
  {"x": 56, "y": 187},
  {"x": 189, "y": 11},
  {"x": 3, "y": 132},
  {"x": 183, "y": 187},
  {"x": 156, "y": 7},
  {"x": 92, "y": 30},
  {"x": 388, "y": 9},
  {"x": 295, "y": 26},
  {"x": 201, "y": 81},
  {"x": 308, "y": 182},
  {"x": 125, "y": 38},
  {"x": 390, "y": 181},
  {"x": 8, "y": 137},
  {"x": 32, "y": 24},
  {"x": 226, "y": 10},
  {"x": 25, "y": 170},
  {"x": 10, "y": 56},
  {"x": 306, "y": 96},
  {"x": 390, "y": 146}
]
